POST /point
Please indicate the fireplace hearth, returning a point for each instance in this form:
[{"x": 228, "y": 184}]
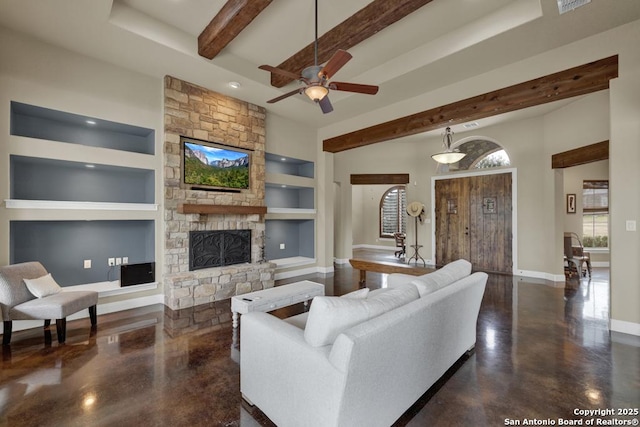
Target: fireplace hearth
[{"x": 219, "y": 248}]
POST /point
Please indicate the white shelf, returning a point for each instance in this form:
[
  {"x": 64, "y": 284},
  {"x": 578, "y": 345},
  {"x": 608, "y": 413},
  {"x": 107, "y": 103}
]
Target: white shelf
[
  {"x": 291, "y": 211},
  {"x": 106, "y": 289},
  {"x": 57, "y": 204}
]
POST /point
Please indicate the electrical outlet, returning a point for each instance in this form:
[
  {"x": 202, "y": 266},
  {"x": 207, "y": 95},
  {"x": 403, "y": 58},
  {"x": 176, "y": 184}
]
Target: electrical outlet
[
  {"x": 111, "y": 262},
  {"x": 118, "y": 261},
  {"x": 125, "y": 260},
  {"x": 281, "y": 245},
  {"x": 87, "y": 263},
  {"x": 630, "y": 225}
]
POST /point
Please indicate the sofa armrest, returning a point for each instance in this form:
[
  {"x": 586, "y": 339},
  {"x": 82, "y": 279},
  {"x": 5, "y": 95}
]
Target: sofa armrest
[{"x": 280, "y": 371}]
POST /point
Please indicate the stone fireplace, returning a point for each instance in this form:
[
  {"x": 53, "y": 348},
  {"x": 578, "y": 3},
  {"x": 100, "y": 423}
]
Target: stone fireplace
[{"x": 196, "y": 112}]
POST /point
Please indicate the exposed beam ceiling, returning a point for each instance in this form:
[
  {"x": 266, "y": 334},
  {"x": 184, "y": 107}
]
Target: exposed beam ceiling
[
  {"x": 234, "y": 16},
  {"x": 580, "y": 156},
  {"x": 379, "y": 178},
  {"x": 363, "y": 24},
  {"x": 576, "y": 81}
]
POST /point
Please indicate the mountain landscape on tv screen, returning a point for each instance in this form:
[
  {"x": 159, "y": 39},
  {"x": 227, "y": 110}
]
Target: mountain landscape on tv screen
[{"x": 215, "y": 167}]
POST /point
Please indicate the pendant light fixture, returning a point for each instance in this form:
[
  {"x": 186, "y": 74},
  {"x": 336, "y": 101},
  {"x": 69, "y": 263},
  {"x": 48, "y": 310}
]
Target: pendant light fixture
[{"x": 449, "y": 155}]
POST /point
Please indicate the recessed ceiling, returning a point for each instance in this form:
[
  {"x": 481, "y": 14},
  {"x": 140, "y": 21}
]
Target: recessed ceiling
[{"x": 442, "y": 43}]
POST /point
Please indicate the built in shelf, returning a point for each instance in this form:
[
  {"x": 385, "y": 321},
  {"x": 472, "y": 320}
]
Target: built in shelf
[
  {"x": 106, "y": 289},
  {"x": 59, "y": 204},
  {"x": 193, "y": 208}
]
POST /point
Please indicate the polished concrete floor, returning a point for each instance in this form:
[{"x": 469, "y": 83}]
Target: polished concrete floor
[{"x": 542, "y": 352}]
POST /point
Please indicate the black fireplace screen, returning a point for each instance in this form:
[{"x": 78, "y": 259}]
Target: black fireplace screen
[{"x": 219, "y": 248}]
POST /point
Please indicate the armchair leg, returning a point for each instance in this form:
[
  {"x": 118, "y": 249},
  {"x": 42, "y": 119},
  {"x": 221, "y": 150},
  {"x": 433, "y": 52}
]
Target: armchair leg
[
  {"x": 93, "y": 314},
  {"x": 47, "y": 323},
  {"x": 61, "y": 328},
  {"x": 6, "y": 334}
]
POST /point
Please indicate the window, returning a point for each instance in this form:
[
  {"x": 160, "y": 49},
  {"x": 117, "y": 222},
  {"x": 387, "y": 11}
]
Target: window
[
  {"x": 393, "y": 206},
  {"x": 595, "y": 214}
]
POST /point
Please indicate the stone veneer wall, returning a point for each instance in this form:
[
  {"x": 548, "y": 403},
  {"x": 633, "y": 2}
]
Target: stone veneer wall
[{"x": 196, "y": 112}]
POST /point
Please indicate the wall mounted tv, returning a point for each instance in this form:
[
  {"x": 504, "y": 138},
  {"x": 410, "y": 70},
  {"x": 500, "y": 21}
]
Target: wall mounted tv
[{"x": 211, "y": 166}]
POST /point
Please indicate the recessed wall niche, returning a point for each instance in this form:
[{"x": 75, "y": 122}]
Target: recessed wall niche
[
  {"x": 62, "y": 247},
  {"x": 35, "y": 178},
  {"x": 44, "y": 123}
]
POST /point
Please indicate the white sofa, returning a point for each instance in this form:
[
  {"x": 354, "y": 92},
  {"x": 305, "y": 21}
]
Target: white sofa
[{"x": 364, "y": 359}]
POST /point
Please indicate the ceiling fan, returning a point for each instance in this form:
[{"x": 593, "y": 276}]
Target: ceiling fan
[{"x": 316, "y": 78}]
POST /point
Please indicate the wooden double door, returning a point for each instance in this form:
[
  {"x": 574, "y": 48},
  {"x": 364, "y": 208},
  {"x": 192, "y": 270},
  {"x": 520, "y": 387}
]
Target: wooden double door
[{"x": 473, "y": 221}]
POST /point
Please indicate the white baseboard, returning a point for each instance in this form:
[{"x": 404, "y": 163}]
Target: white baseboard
[
  {"x": 302, "y": 272},
  {"x": 111, "y": 307},
  {"x": 380, "y": 247},
  {"x": 540, "y": 275},
  {"x": 624, "y": 327},
  {"x": 341, "y": 260}
]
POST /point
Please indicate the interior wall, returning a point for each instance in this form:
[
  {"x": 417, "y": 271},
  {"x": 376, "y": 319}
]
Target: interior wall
[
  {"x": 36, "y": 73},
  {"x": 605, "y": 115}
]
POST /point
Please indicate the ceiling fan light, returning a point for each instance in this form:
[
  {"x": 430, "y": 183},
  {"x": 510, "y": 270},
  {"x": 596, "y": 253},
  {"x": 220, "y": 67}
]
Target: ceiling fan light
[{"x": 316, "y": 92}]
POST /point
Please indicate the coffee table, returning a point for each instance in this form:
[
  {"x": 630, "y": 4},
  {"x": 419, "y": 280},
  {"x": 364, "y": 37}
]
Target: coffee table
[{"x": 274, "y": 298}]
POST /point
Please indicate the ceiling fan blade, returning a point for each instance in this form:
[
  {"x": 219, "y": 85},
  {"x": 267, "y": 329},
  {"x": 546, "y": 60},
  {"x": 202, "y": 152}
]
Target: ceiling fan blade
[
  {"x": 336, "y": 62},
  {"x": 325, "y": 105},
  {"x": 286, "y": 95},
  {"x": 354, "y": 87},
  {"x": 282, "y": 72}
]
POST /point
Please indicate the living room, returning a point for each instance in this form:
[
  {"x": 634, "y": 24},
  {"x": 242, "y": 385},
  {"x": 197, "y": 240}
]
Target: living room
[{"x": 103, "y": 80}]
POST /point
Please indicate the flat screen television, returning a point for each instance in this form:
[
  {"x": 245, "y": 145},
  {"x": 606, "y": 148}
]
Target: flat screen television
[{"x": 212, "y": 166}]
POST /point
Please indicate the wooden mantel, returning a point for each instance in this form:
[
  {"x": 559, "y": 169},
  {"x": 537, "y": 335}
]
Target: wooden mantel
[{"x": 194, "y": 208}]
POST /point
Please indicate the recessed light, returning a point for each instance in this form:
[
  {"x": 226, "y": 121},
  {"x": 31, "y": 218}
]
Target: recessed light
[
  {"x": 283, "y": 186},
  {"x": 284, "y": 159},
  {"x": 90, "y": 122},
  {"x": 90, "y": 166},
  {"x": 235, "y": 85}
]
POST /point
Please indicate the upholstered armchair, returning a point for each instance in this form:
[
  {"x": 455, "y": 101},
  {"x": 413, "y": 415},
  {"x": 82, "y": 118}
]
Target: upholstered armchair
[{"x": 28, "y": 292}]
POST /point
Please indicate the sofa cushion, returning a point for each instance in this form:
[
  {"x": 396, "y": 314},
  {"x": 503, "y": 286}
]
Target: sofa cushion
[
  {"x": 358, "y": 294},
  {"x": 300, "y": 320},
  {"x": 42, "y": 286},
  {"x": 57, "y": 306},
  {"x": 329, "y": 316},
  {"x": 438, "y": 279}
]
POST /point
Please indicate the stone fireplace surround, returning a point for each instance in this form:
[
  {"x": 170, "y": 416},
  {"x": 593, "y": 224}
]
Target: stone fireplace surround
[{"x": 196, "y": 112}]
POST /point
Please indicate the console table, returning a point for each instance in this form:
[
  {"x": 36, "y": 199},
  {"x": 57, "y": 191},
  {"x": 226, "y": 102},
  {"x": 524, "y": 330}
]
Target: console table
[{"x": 274, "y": 298}]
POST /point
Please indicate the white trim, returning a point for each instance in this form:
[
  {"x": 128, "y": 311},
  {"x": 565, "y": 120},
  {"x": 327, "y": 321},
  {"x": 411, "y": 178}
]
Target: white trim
[
  {"x": 341, "y": 260},
  {"x": 540, "y": 275},
  {"x": 600, "y": 264},
  {"x": 290, "y": 211},
  {"x": 380, "y": 247},
  {"x": 514, "y": 207},
  {"x": 624, "y": 327},
  {"x": 111, "y": 307},
  {"x": 296, "y": 261},
  {"x": 58, "y": 204},
  {"x": 106, "y": 289},
  {"x": 302, "y": 272}
]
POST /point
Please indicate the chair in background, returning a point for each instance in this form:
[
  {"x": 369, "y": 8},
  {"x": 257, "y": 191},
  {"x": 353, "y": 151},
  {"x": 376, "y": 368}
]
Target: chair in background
[
  {"x": 575, "y": 255},
  {"x": 18, "y": 303},
  {"x": 400, "y": 238}
]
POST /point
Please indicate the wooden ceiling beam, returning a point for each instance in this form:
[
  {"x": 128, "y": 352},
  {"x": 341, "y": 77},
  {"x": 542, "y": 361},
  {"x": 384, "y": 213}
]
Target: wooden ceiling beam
[
  {"x": 366, "y": 22},
  {"x": 580, "y": 156},
  {"x": 234, "y": 17},
  {"x": 379, "y": 178},
  {"x": 576, "y": 81}
]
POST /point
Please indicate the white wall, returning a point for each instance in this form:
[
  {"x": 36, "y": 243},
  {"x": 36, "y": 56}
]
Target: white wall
[
  {"x": 39, "y": 74},
  {"x": 607, "y": 115}
]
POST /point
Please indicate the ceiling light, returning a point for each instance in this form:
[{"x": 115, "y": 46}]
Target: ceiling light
[
  {"x": 316, "y": 92},
  {"x": 284, "y": 159},
  {"x": 90, "y": 166},
  {"x": 448, "y": 156},
  {"x": 90, "y": 122},
  {"x": 235, "y": 85}
]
